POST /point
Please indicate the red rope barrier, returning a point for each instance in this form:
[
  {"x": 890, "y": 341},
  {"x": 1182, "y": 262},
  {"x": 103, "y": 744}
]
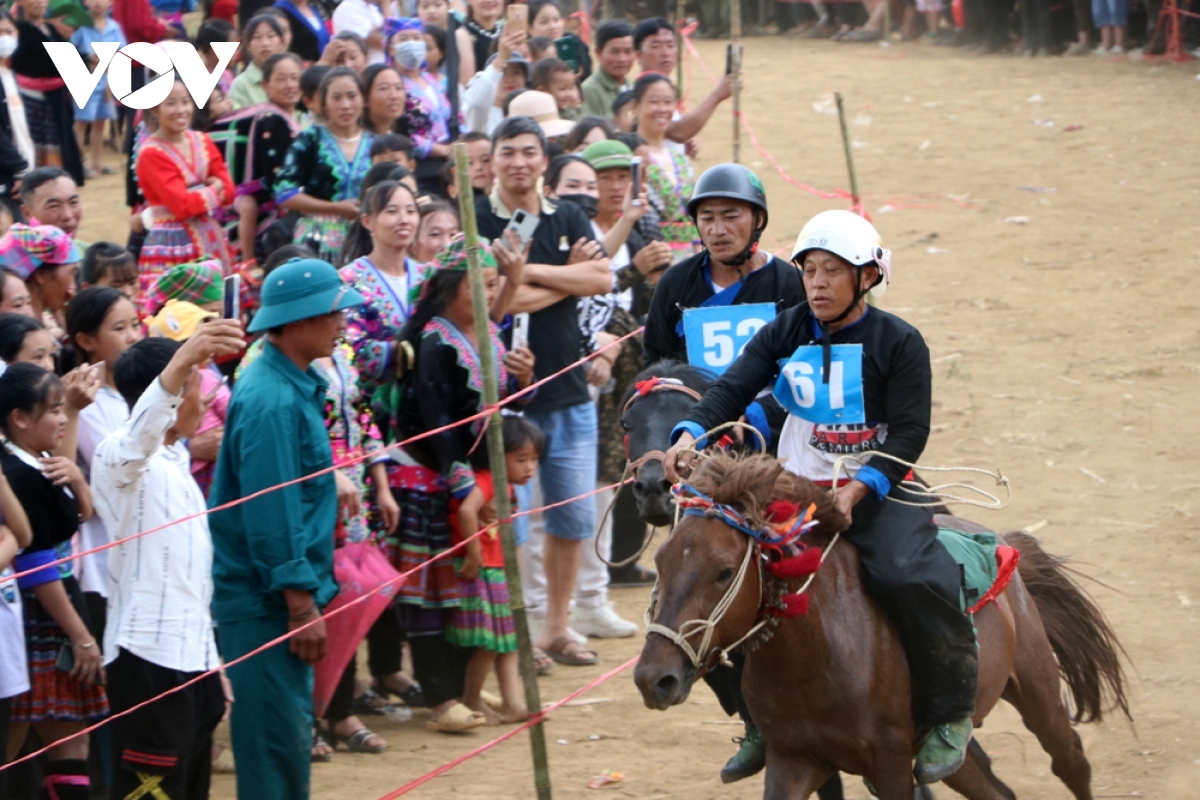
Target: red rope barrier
[
  {"x": 399, "y": 579},
  {"x": 534, "y": 720},
  {"x": 487, "y": 412}
]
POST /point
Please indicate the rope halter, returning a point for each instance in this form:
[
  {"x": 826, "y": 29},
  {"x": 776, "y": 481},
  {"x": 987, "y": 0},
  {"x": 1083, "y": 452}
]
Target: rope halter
[
  {"x": 780, "y": 537},
  {"x": 644, "y": 389}
]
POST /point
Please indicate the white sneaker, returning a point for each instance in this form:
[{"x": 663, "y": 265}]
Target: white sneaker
[
  {"x": 537, "y": 622},
  {"x": 1100, "y": 51},
  {"x": 1117, "y": 50},
  {"x": 602, "y": 622}
]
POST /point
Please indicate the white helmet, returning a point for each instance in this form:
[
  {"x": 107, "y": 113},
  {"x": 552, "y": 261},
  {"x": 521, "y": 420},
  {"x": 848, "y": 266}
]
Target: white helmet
[{"x": 848, "y": 236}]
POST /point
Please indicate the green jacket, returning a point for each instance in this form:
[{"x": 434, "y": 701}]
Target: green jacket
[
  {"x": 599, "y": 91},
  {"x": 274, "y": 433}
]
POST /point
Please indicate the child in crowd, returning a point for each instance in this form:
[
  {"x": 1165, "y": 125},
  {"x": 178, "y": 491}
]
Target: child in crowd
[
  {"x": 14, "y": 295},
  {"x": 555, "y": 77},
  {"x": 15, "y": 535},
  {"x": 99, "y": 107},
  {"x": 109, "y": 264},
  {"x": 439, "y": 224},
  {"x": 212, "y": 31},
  {"x": 56, "y": 498},
  {"x": 184, "y": 180},
  {"x": 261, "y": 38},
  {"x": 24, "y": 339},
  {"x": 479, "y": 161},
  {"x": 310, "y": 85},
  {"x": 622, "y": 109},
  {"x": 484, "y": 619},
  {"x": 102, "y": 323},
  {"x": 540, "y": 48},
  {"x": 394, "y": 147}
]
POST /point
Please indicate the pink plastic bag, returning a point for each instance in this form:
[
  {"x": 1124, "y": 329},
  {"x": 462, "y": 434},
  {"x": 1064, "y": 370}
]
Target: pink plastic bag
[{"x": 358, "y": 567}]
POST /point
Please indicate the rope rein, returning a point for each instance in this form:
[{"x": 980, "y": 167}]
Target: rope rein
[{"x": 933, "y": 495}]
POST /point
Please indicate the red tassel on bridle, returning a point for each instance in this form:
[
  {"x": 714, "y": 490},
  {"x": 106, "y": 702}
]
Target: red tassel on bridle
[
  {"x": 808, "y": 562},
  {"x": 794, "y": 605}
]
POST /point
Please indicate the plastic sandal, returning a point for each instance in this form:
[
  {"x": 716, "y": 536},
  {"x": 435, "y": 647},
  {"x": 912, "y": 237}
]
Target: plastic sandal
[
  {"x": 456, "y": 719},
  {"x": 565, "y": 650},
  {"x": 357, "y": 741}
]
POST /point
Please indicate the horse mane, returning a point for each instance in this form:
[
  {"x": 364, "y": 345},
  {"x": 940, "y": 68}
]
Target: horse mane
[
  {"x": 751, "y": 482},
  {"x": 694, "y": 378}
]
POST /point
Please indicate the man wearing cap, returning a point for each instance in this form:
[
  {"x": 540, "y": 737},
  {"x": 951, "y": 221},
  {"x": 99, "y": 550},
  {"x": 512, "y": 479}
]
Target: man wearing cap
[
  {"x": 483, "y": 97},
  {"x": 273, "y": 555}
]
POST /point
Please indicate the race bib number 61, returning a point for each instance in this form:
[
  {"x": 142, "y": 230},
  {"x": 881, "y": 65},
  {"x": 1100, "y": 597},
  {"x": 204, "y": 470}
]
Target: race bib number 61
[
  {"x": 802, "y": 391},
  {"x": 717, "y": 335}
]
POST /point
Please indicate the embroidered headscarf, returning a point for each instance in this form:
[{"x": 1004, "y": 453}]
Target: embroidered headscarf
[
  {"x": 450, "y": 258},
  {"x": 25, "y": 248},
  {"x": 196, "y": 282}
]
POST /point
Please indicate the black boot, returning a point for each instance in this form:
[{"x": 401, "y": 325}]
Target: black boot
[{"x": 750, "y": 758}]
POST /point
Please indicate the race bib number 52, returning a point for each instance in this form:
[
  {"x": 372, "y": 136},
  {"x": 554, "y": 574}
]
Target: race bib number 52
[
  {"x": 716, "y": 336},
  {"x": 802, "y": 391}
]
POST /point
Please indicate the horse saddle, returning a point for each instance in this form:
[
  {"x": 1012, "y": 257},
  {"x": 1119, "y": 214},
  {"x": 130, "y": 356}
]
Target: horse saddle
[{"x": 986, "y": 562}]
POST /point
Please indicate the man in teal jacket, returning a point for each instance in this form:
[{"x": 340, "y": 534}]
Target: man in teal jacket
[{"x": 273, "y": 555}]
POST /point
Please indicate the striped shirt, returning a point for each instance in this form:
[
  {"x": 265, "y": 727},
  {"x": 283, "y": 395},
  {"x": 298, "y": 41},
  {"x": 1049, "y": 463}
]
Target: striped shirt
[{"x": 160, "y": 585}]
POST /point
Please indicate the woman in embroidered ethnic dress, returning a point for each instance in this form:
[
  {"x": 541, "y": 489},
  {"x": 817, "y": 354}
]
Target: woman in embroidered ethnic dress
[
  {"x": 184, "y": 180},
  {"x": 427, "y": 112},
  {"x": 444, "y": 387},
  {"x": 669, "y": 172},
  {"x": 322, "y": 175},
  {"x": 255, "y": 141}
]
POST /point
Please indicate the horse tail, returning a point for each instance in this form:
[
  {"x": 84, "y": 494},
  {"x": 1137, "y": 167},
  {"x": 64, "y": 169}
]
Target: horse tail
[{"x": 1088, "y": 653}]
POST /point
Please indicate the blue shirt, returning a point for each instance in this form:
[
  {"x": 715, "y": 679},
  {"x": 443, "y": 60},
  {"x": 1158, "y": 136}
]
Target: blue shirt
[
  {"x": 274, "y": 433},
  {"x": 85, "y": 36}
]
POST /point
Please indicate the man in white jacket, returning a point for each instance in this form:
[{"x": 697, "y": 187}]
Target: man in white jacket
[{"x": 506, "y": 71}]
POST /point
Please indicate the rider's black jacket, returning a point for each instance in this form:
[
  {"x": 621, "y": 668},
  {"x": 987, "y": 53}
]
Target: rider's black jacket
[{"x": 897, "y": 378}]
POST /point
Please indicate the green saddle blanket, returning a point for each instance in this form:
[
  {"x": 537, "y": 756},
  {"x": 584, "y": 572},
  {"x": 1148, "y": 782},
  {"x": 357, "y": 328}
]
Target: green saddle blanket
[{"x": 986, "y": 562}]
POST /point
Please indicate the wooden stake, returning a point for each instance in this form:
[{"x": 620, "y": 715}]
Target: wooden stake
[
  {"x": 846, "y": 146},
  {"x": 680, "y": 17},
  {"x": 735, "y": 62},
  {"x": 495, "y": 442},
  {"x": 735, "y": 20}
]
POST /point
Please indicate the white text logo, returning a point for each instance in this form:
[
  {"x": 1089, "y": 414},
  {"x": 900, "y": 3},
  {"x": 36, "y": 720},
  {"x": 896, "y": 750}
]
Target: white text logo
[{"x": 166, "y": 58}]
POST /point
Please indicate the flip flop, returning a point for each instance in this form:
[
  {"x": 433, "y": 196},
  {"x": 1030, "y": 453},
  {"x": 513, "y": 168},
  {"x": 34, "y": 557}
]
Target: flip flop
[
  {"x": 357, "y": 741},
  {"x": 456, "y": 719},
  {"x": 565, "y": 650}
]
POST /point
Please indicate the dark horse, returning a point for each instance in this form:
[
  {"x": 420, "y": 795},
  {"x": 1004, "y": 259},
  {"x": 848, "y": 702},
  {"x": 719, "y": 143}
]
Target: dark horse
[{"x": 830, "y": 688}]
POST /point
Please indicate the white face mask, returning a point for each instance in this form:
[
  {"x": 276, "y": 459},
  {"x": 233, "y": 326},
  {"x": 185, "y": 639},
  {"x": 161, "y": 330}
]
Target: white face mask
[
  {"x": 410, "y": 54},
  {"x": 8, "y": 46}
]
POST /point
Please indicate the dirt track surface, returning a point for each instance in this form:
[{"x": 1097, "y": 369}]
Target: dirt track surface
[{"x": 1065, "y": 353}]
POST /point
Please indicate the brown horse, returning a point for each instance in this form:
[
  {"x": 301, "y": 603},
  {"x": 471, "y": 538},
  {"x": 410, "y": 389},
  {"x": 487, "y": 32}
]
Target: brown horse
[{"x": 830, "y": 689}]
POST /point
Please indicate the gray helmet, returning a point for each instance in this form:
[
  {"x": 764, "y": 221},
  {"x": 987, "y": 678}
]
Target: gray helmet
[{"x": 732, "y": 181}]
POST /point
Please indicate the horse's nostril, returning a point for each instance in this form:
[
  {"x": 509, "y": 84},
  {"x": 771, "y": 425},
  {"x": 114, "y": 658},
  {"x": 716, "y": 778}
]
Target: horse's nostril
[
  {"x": 664, "y": 486},
  {"x": 665, "y": 689}
]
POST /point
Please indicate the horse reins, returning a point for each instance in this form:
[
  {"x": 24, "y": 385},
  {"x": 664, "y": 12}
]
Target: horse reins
[{"x": 643, "y": 389}]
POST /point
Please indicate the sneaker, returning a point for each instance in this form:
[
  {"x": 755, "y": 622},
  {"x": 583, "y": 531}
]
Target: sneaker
[
  {"x": 601, "y": 622},
  {"x": 1100, "y": 51},
  {"x": 536, "y": 622},
  {"x": 943, "y": 751},
  {"x": 1077, "y": 49},
  {"x": 750, "y": 758},
  {"x": 1117, "y": 50}
]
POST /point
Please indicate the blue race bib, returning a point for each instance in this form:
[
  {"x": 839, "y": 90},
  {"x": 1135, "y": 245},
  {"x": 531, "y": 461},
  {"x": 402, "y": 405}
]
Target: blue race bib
[
  {"x": 801, "y": 391},
  {"x": 717, "y": 335}
]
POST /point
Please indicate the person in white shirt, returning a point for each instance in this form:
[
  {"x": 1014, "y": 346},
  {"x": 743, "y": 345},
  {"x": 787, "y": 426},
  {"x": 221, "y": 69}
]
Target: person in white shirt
[
  {"x": 483, "y": 99},
  {"x": 364, "y": 17},
  {"x": 160, "y": 632}
]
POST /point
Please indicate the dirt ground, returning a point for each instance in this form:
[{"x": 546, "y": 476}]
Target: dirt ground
[{"x": 1065, "y": 350}]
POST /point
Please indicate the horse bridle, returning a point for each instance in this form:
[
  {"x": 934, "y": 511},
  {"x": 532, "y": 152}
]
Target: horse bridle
[
  {"x": 644, "y": 389},
  {"x": 701, "y": 505}
]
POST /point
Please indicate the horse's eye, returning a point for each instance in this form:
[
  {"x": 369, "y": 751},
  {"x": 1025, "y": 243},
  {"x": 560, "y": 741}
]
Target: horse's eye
[{"x": 725, "y": 575}]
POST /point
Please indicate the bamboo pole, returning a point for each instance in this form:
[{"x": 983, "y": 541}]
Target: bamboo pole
[
  {"x": 841, "y": 109},
  {"x": 680, "y": 18},
  {"x": 495, "y": 443},
  {"x": 735, "y": 20},
  {"x": 735, "y": 62}
]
